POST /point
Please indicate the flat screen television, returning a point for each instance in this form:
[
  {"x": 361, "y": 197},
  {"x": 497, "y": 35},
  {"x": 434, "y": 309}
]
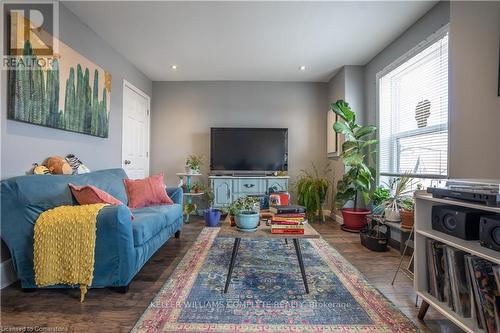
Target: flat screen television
[{"x": 248, "y": 149}]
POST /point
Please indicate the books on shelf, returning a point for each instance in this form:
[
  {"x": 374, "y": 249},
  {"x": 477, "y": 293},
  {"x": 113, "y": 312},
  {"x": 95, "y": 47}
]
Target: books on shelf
[
  {"x": 457, "y": 272},
  {"x": 468, "y": 284},
  {"x": 288, "y": 219}
]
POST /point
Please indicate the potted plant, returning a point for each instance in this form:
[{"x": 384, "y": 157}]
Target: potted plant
[
  {"x": 211, "y": 215},
  {"x": 194, "y": 163},
  {"x": 198, "y": 187},
  {"x": 400, "y": 191},
  {"x": 378, "y": 197},
  {"x": 375, "y": 236},
  {"x": 358, "y": 178},
  {"x": 407, "y": 213},
  {"x": 312, "y": 190},
  {"x": 189, "y": 208},
  {"x": 245, "y": 213}
]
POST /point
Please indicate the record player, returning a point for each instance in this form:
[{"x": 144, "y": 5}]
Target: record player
[{"x": 485, "y": 191}]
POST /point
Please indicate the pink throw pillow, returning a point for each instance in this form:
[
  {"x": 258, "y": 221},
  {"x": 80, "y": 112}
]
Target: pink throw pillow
[
  {"x": 146, "y": 192},
  {"x": 88, "y": 194}
]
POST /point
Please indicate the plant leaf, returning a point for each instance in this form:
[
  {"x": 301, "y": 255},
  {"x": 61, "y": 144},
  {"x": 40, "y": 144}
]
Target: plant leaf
[
  {"x": 342, "y": 128},
  {"x": 365, "y": 130},
  {"x": 369, "y": 143},
  {"x": 342, "y": 109}
]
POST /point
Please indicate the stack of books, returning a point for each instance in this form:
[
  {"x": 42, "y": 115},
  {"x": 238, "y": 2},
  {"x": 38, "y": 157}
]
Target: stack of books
[
  {"x": 469, "y": 285},
  {"x": 288, "y": 219}
]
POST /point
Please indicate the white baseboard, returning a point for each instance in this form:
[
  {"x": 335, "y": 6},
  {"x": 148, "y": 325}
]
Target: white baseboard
[{"x": 7, "y": 273}]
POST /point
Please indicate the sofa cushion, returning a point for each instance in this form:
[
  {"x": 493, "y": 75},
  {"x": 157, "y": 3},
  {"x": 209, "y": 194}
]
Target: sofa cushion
[
  {"x": 149, "y": 221},
  {"x": 89, "y": 194},
  {"x": 146, "y": 192}
]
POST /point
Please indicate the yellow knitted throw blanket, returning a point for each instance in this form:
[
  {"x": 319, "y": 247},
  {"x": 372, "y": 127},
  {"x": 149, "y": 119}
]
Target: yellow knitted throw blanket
[{"x": 64, "y": 246}]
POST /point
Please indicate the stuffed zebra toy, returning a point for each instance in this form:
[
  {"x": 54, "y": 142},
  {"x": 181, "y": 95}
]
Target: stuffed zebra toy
[{"x": 77, "y": 165}]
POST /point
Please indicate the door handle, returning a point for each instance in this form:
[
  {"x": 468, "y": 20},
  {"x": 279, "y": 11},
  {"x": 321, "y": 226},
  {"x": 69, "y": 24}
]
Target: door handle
[
  {"x": 228, "y": 193},
  {"x": 249, "y": 185},
  {"x": 127, "y": 162}
]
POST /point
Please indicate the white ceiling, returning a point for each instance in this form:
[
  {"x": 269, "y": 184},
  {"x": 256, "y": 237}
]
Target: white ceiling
[{"x": 251, "y": 41}]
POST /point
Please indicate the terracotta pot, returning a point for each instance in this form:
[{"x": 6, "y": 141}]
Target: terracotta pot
[
  {"x": 407, "y": 218},
  {"x": 354, "y": 218}
]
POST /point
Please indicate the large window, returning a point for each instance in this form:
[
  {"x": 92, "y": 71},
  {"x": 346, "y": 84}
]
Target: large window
[{"x": 413, "y": 112}]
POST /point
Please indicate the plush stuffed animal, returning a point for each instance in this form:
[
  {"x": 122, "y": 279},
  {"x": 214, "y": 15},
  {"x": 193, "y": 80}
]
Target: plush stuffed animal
[
  {"x": 76, "y": 165},
  {"x": 40, "y": 169},
  {"x": 58, "y": 166}
]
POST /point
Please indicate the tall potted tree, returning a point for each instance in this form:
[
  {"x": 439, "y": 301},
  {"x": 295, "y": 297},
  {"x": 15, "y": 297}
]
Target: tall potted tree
[{"x": 357, "y": 181}]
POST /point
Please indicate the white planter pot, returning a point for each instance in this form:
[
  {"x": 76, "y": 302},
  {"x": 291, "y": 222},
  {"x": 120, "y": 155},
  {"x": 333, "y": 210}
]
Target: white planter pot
[
  {"x": 392, "y": 215},
  {"x": 190, "y": 171}
]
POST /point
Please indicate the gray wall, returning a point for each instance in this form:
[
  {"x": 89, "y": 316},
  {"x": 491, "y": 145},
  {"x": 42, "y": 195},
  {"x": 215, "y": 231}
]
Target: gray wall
[
  {"x": 22, "y": 144},
  {"x": 474, "y": 103},
  {"x": 183, "y": 112}
]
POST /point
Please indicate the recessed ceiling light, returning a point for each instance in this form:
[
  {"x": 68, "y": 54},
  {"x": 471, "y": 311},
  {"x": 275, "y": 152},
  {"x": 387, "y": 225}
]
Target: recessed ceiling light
[
  {"x": 174, "y": 67},
  {"x": 302, "y": 68}
]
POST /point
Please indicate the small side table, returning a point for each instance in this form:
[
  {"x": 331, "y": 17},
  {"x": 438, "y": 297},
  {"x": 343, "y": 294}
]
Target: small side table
[{"x": 188, "y": 194}]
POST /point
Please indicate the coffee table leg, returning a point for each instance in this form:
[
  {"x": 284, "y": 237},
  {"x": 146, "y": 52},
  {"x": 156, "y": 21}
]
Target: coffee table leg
[
  {"x": 301, "y": 263},
  {"x": 236, "y": 246}
]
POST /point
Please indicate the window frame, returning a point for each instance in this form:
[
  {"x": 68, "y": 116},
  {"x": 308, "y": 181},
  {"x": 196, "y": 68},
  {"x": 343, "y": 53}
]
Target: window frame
[{"x": 437, "y": 35}]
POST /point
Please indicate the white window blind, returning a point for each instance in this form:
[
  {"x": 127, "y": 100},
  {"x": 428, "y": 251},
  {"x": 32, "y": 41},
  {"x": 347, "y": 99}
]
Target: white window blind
[{"x": 413, "y": 113}]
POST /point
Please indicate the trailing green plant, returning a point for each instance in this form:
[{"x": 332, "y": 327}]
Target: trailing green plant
[
  {"x": 408, "y": 204},
  {"x": 359, "y": 176},
  {"x": 380, "y": 195},
  {"x": 189, "y": 208},
  {"x": 312, "y": 190},
  {"x": 194, "y": 162},
  {"x": 243, "y": 204}
]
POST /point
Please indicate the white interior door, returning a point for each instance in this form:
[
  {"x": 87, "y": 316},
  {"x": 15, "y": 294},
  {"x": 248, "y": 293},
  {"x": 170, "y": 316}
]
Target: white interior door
[{"x": 135, "y": 138}]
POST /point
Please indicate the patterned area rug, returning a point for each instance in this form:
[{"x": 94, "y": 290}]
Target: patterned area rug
[{"x": 267, "y": 293}]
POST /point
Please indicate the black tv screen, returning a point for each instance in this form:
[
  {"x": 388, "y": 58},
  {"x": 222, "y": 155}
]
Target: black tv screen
[{"x": 248, "y": 149}]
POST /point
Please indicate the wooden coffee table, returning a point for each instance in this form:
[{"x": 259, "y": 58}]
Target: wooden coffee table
[{"x": 264, "y": 232}]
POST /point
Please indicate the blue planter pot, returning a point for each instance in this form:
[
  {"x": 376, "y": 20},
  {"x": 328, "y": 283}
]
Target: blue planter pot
[
  {"x": 212, "y": 217},
  {"x": 376, "y": 210},
  {"x": 247, "y": 220}
]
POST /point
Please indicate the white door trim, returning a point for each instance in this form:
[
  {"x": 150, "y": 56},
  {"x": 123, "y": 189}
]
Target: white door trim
[{"x": 129, "y": 85}]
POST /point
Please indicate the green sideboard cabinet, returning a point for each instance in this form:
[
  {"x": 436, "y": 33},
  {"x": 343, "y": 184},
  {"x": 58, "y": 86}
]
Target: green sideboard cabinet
[{"x": 229, "y": 188}]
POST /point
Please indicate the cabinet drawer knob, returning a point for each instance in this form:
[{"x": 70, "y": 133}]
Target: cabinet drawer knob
[{"x": 249, "y": 185}]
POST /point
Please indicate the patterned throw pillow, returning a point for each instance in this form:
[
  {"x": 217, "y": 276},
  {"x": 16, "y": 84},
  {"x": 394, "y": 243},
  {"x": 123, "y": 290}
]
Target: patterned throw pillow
[
  {"x": 88, "y": 194},
  {"x": 146, "y": 192}
]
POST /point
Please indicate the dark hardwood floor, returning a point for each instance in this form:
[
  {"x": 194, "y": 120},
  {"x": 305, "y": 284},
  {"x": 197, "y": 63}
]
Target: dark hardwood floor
[{"x": 105, "y": 310}]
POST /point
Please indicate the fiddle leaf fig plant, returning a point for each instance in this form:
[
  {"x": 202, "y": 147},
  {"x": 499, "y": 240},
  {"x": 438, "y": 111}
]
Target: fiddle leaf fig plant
[{"x": 359, "y": 177}]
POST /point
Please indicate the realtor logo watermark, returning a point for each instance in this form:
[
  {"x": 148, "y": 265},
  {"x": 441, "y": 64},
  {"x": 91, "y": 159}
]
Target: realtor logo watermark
[{"x": 30, "y": 40}]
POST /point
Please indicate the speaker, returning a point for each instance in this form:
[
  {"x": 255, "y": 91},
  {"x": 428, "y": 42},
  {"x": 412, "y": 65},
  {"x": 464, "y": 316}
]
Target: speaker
[
  {"x": 489, "y": 232},
  {"x": 461, "y": 222}
]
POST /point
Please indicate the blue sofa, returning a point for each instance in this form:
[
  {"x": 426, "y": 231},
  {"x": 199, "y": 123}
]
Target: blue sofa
[{"x": 122, "y": 246}]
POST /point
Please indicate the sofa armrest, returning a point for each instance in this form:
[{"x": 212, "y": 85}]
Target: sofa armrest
[
  {"x": 115, "y": 258},
  {"x": 176, "y": 194}
]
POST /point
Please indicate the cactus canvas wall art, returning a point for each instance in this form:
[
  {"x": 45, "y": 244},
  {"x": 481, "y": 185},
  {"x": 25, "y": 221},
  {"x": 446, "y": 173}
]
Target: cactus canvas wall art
[{"x": 72, "y": 94}]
